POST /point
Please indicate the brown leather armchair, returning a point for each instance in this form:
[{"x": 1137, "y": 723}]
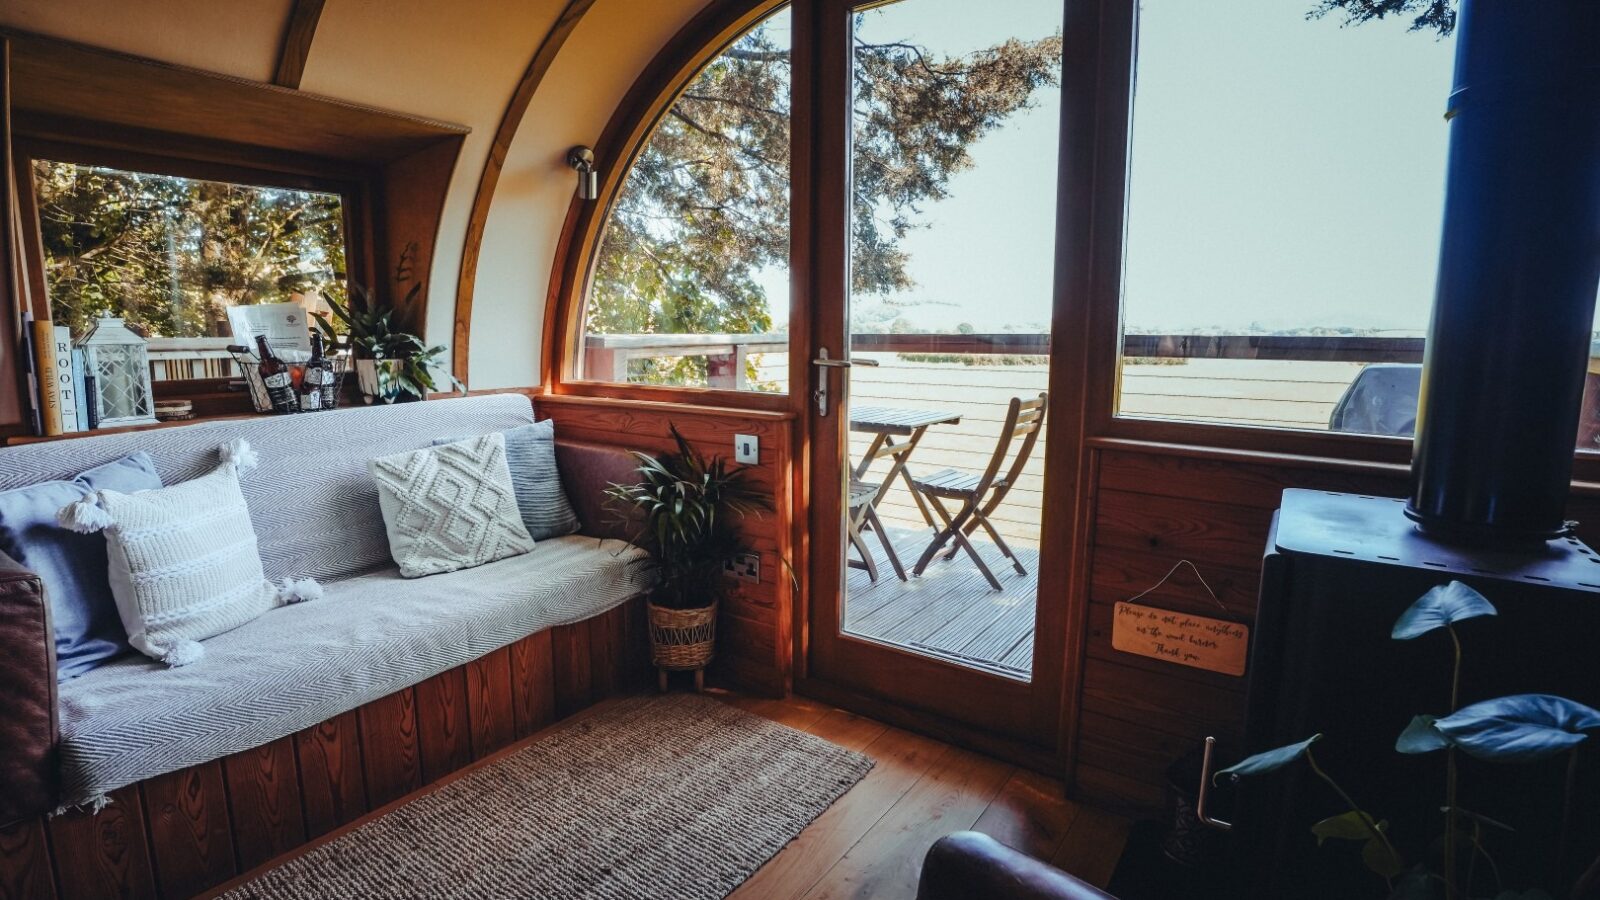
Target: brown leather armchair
[
  {"x": 972, "y": 866},
  {"x": 28, "y": 727}
]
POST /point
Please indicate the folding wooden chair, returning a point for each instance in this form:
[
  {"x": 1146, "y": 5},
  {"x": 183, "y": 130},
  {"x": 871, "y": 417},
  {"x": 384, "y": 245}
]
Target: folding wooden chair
[
  {"x": 981, "y": 495},
  {"x": 861, "y": 516}
]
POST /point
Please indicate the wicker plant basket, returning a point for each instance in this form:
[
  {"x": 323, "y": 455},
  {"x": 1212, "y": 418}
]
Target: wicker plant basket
[{"x": 682, "y": 639}]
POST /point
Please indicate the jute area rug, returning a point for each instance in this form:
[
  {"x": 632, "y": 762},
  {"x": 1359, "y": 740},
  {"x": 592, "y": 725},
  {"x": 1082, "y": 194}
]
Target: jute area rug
[{"x": 678, "y": 797}]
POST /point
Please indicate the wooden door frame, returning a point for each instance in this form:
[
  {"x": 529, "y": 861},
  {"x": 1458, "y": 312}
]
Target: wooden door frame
[{"x": 1027, "y": 725}]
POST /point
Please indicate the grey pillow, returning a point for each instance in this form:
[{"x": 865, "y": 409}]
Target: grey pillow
[{"x": 542, "y": 501}]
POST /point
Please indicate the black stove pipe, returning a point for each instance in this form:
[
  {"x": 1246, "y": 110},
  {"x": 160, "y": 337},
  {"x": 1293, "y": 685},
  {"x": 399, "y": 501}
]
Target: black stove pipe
[{"x": 1519, "y": 263}]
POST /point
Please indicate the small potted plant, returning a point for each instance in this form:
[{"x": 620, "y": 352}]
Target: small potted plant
[
  {"x": 391, "y": 365},
  {"x": 687, "y": 510}
]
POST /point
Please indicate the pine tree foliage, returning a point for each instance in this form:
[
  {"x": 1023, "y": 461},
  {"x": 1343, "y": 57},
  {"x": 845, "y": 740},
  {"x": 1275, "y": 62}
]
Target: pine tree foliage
[
  {"x": 706, "y": 204},
  {"x": 171, "y": 254},
  {"x": 1436, "y": 15}
]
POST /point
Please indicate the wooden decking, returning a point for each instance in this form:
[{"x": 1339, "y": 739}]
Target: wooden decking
[{"x": 949, "y": 611}]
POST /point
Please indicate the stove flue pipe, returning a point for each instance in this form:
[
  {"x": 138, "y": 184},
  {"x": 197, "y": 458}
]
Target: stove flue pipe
[{"x": 1519, "y": 263}]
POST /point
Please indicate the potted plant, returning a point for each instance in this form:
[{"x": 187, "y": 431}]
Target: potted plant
[
  {"x": 391, "y": 365},
  {"x": 687, "y": 510},
  {"x": 1523, "y": 729}
]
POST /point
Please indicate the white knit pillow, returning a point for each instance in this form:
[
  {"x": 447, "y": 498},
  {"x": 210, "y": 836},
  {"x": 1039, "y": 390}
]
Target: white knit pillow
[
  {"x": 450, "y": 507},
  {"x": 183, "y": 559}
]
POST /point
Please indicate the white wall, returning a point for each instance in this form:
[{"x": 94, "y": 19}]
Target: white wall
[
  {"x": 612, "y": 44},
  {"x": 454, "y": 60}
]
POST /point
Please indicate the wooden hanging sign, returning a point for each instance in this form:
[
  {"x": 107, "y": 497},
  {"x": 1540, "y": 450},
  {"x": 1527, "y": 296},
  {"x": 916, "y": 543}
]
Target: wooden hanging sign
[{"x": 1183, "y": 638}]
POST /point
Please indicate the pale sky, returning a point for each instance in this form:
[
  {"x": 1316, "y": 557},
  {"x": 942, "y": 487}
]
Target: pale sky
[{"x": 1285, "y": 172}]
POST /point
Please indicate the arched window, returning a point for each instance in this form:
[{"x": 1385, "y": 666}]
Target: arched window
[{"x": 690, "y": 285}]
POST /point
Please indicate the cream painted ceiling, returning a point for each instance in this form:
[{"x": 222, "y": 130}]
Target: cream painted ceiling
[{"x": 234, "y": 37}]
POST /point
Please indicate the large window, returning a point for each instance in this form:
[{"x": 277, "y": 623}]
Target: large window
[
  {"x": 170, "y": 255},
  {"x": 691, "y": 282},
  {"x": 1285, "y": 191}
]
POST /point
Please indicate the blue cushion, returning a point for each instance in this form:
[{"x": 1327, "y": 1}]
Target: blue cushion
[
  {"x": 72, "y": 566},
  {"x": 542, "y": 501}
]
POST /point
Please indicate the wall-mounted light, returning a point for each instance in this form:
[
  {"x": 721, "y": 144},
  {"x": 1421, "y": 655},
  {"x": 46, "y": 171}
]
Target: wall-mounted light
[{"x": 582, "y": 159}]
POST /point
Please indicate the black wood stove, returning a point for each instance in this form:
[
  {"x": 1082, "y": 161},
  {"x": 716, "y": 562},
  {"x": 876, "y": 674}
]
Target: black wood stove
[{"x": 1502, "y": 384}]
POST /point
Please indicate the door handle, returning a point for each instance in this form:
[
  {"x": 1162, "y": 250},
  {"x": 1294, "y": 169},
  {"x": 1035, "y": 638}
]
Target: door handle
[{"x": 824, "y": 362}]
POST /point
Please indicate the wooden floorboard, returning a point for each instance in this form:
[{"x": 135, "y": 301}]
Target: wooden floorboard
[
  {"x": 870, "y": 842},
  {"x": 950, "y": 610}
]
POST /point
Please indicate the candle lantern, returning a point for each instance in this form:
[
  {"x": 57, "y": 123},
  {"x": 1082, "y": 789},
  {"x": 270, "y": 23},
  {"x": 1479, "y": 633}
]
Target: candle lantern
[{"x": 119, "y": 361}]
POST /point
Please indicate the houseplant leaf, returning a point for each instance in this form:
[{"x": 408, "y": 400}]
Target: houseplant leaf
[
  {"x": 1380, "y": 857},
  {"x": 1347, "y": 826},
  {"x": 1445, "y": 605},
  {"x": 1269, "y": 760},
  {"x": 1519, "y": 728},
  {"x": 1421, "y": 737}
]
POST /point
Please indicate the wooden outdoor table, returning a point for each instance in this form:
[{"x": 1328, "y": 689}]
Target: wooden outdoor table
[{"x": 886, "y": 423}]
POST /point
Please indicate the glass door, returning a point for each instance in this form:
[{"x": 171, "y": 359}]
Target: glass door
[{"x": 935, "y": 265}]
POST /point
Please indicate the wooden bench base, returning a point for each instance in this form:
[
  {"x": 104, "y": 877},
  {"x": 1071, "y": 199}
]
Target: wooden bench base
[{"x": 179, "y": 834}]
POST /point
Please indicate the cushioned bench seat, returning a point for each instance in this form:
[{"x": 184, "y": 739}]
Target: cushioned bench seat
[{"x": 367, "y": 637}]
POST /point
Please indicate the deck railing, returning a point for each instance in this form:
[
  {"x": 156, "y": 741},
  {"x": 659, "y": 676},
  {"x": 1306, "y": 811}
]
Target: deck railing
[{"x": 1273, "y": 380}]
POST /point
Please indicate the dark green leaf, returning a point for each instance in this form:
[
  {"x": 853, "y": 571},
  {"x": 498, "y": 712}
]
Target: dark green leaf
[
  {"x": 1348, "y": 826},
  {"x": 1444, "y": 605},
  {"x": 1421, "y": 737},
  {"x": 1519, "y": 728},
  {"x": 1269, "y": 760},
  {"x": 1380, "y": 858}
]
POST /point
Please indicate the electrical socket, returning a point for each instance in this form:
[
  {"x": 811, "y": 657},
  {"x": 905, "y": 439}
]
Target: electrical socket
[
  {"x": 746, "y": 449},
  {"x": 744, "y": 567}
]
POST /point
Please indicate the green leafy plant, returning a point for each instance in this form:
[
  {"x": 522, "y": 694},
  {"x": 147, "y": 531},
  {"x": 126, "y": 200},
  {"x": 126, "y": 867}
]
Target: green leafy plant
[
  {"x": 369, "y": 333},
  {"x": 1524, "y": 728},
  {"x": 688, "y": 509}
]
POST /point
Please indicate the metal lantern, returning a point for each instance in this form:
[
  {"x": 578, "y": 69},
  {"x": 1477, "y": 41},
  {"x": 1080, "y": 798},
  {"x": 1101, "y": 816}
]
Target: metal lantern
[{"x": 119, "y": 361}]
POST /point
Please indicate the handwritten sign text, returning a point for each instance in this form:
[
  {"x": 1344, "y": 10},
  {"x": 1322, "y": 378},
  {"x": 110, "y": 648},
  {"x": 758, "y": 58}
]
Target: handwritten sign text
[{"x": 1182, "y": 638}]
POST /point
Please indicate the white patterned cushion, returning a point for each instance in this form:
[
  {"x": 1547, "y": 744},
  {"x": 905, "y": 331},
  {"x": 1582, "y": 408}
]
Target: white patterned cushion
[
  {"x": 450, "y": 507},
  {"x": 183, "y": 561}
]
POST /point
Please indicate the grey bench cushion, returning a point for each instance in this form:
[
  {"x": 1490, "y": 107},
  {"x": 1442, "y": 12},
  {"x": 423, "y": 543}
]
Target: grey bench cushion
[
  {"x": 369, "y": 636},
  {"x": 313, "y": 504}
]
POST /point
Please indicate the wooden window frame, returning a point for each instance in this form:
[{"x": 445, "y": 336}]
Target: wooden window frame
[
  {"x": 125, "y": 150},
  {"x": 693, "y": 48},
  {"x": 1102, "y": 342}
]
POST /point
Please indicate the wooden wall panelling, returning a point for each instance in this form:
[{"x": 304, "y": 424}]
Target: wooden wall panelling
[
  {"x": 191, "y": 837},
  {"x": 389, "y": 747},
  {"x": 264, "y": 802},
  {"x": 296, "y": 47},
  {"x": 25, "y": 862},
  {"x": 409, "y": 206},
  {"x": 605, "y": 650},
  {"x": 13, "y": 285},
  {"x": 569, "y": 645},
  {"x": 756, "y": 650},
  {"x": 104, "y": 854},
  {"x": 333, "y": 788},
  {"x": 483, "y": 199},
  {"x": 490, "y": 701},
  {"x": 533, "y": 697},
  {"x": 1138, "y": 715},
  {"x": 443, "y": 724}
]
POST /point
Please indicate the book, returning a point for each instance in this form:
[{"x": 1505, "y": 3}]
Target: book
[
  {"x": 65, "y": 387},
  {"x": 31, "y": 364},
  {"x": 79, "y": 385},
  {"x": 92, "y": 406},
  {"x": 44, "y": 358}
]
